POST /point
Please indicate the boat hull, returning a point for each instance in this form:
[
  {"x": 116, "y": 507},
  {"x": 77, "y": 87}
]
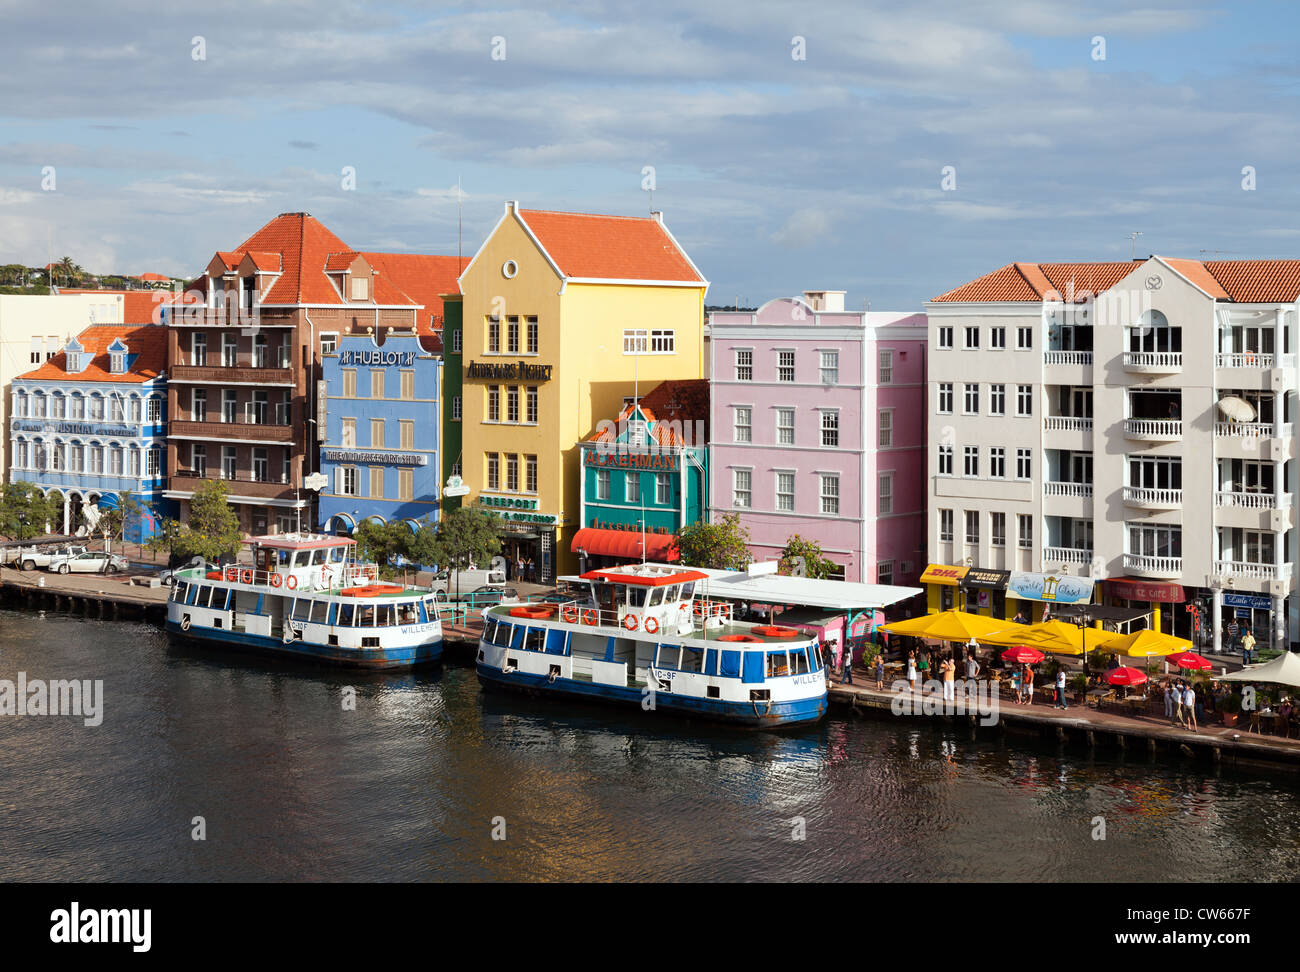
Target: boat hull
[
  {"x": 747, "y": 714},
  {"x": 406, "y": 656}
]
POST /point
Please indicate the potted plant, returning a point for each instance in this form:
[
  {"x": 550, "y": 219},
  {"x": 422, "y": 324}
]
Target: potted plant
[
  {"x": 1230, "y": 707},
  {"x": 1079, "y": 683}
]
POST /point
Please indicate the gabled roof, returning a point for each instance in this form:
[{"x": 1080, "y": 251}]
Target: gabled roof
[
  {"x": 153, "y": 278},
  {"x": 148, "y": 356},
  {"x": 424, "y": 278},
  {"x": 588, "y": 246},
  {"x": 1257, "y": 281},
  {"x": 683, "y": 401}
]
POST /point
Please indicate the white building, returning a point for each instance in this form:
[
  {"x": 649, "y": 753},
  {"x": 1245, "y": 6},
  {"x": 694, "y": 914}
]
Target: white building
[{"x": 1130, "y": 421}]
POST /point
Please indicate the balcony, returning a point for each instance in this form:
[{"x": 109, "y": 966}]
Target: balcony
[
  {"x": 1053, "y": 557},
  {"x": 1153, "y": 499},
  {"x": 1254, "y": 572},
  {"x": 253, "y": 432},
  {"x": 1067, "y": 423},
  {"x": 218, "y": 375},
  {"x": 1153, "y": 430},
  {"x": 1067, "y": 357},
  {"x": 1153, "y": 362},
  {"x": 1251, "y": 500},
  {"x": 1254, "y": 360},
  {"x": 1247, "y": 430},
  {"x": 1082, "y": 490},
  {"x": 185, "y": 481},
  {"x": 1157, "y": 567}
]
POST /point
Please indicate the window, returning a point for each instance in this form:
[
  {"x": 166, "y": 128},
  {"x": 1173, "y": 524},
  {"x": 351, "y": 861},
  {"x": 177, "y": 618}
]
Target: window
[
  {"x": 632, "y": 487},
  {"x": 406, "y": 431},
  {"x": 885, "y": 572},
  {"x": 886, "y": 370},
  {"x": 512, "y": 472},
  {"x": 997, "y": 399},
  {"x": 530, "y": 414},
  {"x": 742, "y": 425},
  {"x": 376, "y": 482},
  {"x": 785, "y": 426},
  {"x": 742, "y": 481},
  {"x": 744, "y": 366},
  {"x": 1025, "y": 526},
  {"x": 945, "y": 337},
  {"x": 56, "y": 406},
  {"x": 77, "y": 459},
  {"x": 77, "y": 407},
  {"x": 348, "y": 435},
  {"x": 1024, "y": 338},
  {"x": 973, "y": 527},
  {"x": 602, "y": 484},
  {"x": 154, "y": 468},
  {"x": 493, "y": 470},
  {"x": 349, "y": 382},
  {"x": 530, "y": 473},
  {"x": 199, "y": 459},
  {"x": 360, "y": 290},
  {"x": 228, "y": 462},
  {"x": 229, "y": 404},
  {"x": 530, "y": 324},
  {"x": 971, "y": 461},
  {"x": 830, "y": 428},
  {"x": 785, "y": 491},
  {"x": 663, "y": 489},
  {"x": 259, "y": 405},
  {"x": 408, "y": 385},
  {"x": 830, "y": 493},
  {"x": 286, "y": 465},
  {"x": 198, "y": 404},
  {"x": 945, "y": 526},
  {"x": 1024, "y": 400},
  {"x": 998, "y": 462},
  {"x": 494, "y": 334},
  {"x": 1024, "y": 466},
  {"x": 945, "y": 398},
  {"x": 512, "y": 404},
  {"x": 998, "y": 529},
  {"x": 259, "y": 351},
  {"x": 133, "y": 463},
  {"x": 663, "y": 342},
  {"x": 376, "y": 383},
  {"x": 406, "y": 484},
  {"x": 885, "y": 439},
  {"x": 117, "y": 362},
  {"x": 512, "y": 334},
  {"x": 972, "y": 338},
  {"x": 328, "y": 343},
  {"x": 376, "y": 433},
  {"x": 346, "y": 480},
  {"x": 96, "y": 407},
  {"x": 635, "y": 342},
  {"x": 199, "y": 350},
  {"x": 998, "y": 338},
  {"x": 455, "y": 408},
  {"x": 885, "y": 493},
  {"x": 260, "y": 465},
  {"x": 830, "y": 367},
  {"x": 34, "y": 356},
  {"x": 971, "y": 400},
  {"x": 945, "y": 460},
  {"x": 229, "y": 350},
  {"x": 456, "y": 340},
  {"x": 785, "y": 366},
  {"x": 494, "y": 403}
]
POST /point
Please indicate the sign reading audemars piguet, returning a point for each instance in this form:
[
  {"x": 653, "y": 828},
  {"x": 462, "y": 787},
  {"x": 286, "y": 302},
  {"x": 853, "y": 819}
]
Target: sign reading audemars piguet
[{"x": 512, "y": 371}]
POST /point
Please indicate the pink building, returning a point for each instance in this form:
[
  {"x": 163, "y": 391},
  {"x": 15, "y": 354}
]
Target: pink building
[{"x": 819, "y": 428}]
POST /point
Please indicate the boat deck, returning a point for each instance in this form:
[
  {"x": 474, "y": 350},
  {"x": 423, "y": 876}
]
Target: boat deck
[{"x": 700, "y": 634}]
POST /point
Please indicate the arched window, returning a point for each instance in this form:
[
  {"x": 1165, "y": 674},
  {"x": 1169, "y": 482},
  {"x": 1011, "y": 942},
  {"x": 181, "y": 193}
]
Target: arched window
[
  {"x": 95, "y": 458},
  {"x": 56, "y": 405},
  {"x": 76, "y": 457},
  {"x": 154, "y": 468},
  {"x": 76, "y": 406},
  {"x": 20, "y": 404},
  {"x": 133, "y": 462},
  {"x": 115, "y": 460},
  {"x": 96, "y": 413},
  {"x": 57, "y": 455},
  {"x": 38, "y": 405},
  {"x": 153, "y": 410},
  {"x": 134, "y": 417}
]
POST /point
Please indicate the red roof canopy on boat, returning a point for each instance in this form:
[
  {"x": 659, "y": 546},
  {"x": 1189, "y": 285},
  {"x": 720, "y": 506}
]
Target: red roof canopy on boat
[{"x": 614, "y": 575}]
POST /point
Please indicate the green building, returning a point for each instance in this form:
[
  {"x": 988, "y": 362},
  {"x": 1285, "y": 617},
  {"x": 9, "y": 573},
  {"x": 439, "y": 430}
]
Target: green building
[{"x": 452, "y": 344}]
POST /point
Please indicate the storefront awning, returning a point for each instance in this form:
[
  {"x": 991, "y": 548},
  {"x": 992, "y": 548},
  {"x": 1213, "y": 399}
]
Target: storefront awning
[
  {"x": 599, "y": 542},
  {"x": 1143, "y": 590},
  {"x": 943, "y": 574}
]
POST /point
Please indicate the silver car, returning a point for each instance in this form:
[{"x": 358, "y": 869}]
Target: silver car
[{"x": 91, "y": 562}]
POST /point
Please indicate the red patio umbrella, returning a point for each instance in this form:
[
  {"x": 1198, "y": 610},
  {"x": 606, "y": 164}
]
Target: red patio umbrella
[
  {"x": 1022, "y": 655},
  {"x": 1190, "y": 659},
  {"x": 1126, "y": 676}
]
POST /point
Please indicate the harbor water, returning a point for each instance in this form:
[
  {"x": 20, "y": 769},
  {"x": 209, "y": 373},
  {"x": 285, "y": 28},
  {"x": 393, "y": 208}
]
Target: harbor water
[{"x": 427, "y": 777}]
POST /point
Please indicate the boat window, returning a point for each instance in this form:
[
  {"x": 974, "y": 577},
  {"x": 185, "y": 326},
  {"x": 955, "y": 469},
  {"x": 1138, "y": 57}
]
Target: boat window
[
  {"x": 730, "y": 664},
  {"x": 692, "y": 659},
  {"x": 193, "y": 593},
  {"x": 777, "y": 664},
  {"x": 688, "y": 589},
  {"x": 670, "y": 593},
  {"x": 182, "y": 589},
  {"x": 337, "y": 554},
  {"x": 318, "y": 611},
  {"x": 656, "y": 597},
  {"x": 711, "y": 661},
  {"x": 406, "y": 612},
  {"x": 503, "y": 635},
  {"x": 798, "y": 662},
  {"x": 669, "y": 656},
  {"x": 490, "y": 630},
  {"x": 366, "y": 616},
  {"x": 282, "y": 557},
  {"x": 302, "y": 609},
  {"x": 635, "y": 596},
  {"x": 347, "y": 615},
  {"x": 535, "y": 639},
  {"x": 556, "y": 639},
  {"x": 386, "y": 615}
]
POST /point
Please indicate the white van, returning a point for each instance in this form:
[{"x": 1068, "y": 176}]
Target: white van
[{"x": 464, "y": 581}]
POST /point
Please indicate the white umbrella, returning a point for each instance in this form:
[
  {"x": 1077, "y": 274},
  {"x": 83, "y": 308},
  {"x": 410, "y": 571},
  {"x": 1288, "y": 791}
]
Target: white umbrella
[
  {"x": 1282, "y": 670},
  {"x": 1236, "y": 409}
]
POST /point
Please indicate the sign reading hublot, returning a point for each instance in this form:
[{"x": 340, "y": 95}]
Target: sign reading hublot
[
  {"x": 73, "y": 428},
  {"x": 381, "y": 358},
  {"x": 522, "y": 371}
]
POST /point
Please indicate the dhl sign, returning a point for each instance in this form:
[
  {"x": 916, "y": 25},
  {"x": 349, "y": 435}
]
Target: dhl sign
[{"x": 943, "y": 574}]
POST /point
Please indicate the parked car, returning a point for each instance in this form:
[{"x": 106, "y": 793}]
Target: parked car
[
  {"x": 29, "y": 558},
  {"x": 459, "y": 582},
  {"x": 90, "y": 562},
  {"x": 168, "y": 576},
  {"x": 491, "y": 594}
]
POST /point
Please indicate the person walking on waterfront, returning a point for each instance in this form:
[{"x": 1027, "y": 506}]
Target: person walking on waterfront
[
  {"x": 949, "y": 669},
  {"x": 1028, "y": 681},
  {"x": 923, "y": 668},
  {"x": 1189, "y": 707},
  {"x": 972, "y": 672},
  {"x": 880, "y": 671},
  {"x": 1060, "y": 688},
  {"x": 1247, "y": 648},
  {"x": 848, "y": 662},
  {"x": 1180, "y": 717},
  {"x": 1169, "y": 699},
  {"x": 912, "y": 670},
  {"x": 1017, "y": 687}
]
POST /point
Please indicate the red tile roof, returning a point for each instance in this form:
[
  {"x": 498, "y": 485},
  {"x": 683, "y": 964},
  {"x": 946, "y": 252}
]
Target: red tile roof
[
  {"x": 148, "y": 344},
  {"x": 609, "y": 247},
  {"x": 1242, "y": 281},
  {"x": 153, "y": 278},
  {"x": 424, "y": 278},
  {"x": 683, "y": 401}
]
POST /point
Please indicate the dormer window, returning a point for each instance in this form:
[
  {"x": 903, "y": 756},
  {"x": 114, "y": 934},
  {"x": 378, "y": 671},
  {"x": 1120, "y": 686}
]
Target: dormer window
[
  {"x": 250, "y": 292},
  {"x": 360, "y": 288},
  {"x": 117, "y": 363}
]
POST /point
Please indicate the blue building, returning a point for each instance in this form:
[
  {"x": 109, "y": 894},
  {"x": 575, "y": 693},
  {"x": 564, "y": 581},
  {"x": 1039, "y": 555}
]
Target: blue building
[
  {"x": 90, "y": 424},
  {"x": 382, "y": 420}
]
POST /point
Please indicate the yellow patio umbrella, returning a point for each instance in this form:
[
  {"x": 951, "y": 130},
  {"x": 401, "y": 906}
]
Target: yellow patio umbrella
[
  {"x": 1010, "y": 635},
  {"x": 1146, "y": 644},
  {"x": 948, "y": 626},
  {"x": 1063, "y": 638}
]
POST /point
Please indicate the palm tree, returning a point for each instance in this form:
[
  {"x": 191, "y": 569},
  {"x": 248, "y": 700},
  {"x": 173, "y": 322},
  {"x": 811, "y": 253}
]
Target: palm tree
[{"x": 70, "y": 270}]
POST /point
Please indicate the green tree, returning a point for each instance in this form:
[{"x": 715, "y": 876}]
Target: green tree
[
  {"x": 213, "y": 530},
  {"x": 422, "y": 545},
  {"x": 467, "y": 535},
  {"x": 721, "y": 546},
  {"x": 25, "y": 511},
  {"x": 167, "y": 538},
  {"x": 114, "y": 523},
  {"x": 803, "y": 558},
  {"x": 381, "y": 542}
]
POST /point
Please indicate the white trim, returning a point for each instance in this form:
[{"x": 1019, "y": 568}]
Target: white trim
[
  {"x": 251, "y": 500},
  {"x": 474, "y": 258}
]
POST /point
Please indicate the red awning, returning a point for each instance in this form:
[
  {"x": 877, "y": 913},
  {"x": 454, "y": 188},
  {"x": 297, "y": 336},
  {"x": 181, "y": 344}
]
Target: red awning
[
  {"x": 625, "y": 543},
  {"x": 1144, "y": 590}
]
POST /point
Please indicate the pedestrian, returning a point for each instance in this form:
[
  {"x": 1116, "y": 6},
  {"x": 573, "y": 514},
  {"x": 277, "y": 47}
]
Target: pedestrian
[
  {"x": 972, "y": 671},
  {"x": 949, "y": 670},
  {"x": 1179, "y": 716},
  {"x": 1060, "y": 688},
  {"x": 1017, "y": 687},
  {"x": 532, "y": 571},
  {"x": 880, "y": 671},
  {"x": 911, "y": 670},
  {"x": 1029, "y": 685},
  {"x": 848, "y": 663},
  {"x": 1247, "y": 648},
  {"x": 1020, "y": 617},
  {"x": 923, "y": 667},
  {"x": 1169, "y": 699},
  {"x": 1189, "y": 706}
]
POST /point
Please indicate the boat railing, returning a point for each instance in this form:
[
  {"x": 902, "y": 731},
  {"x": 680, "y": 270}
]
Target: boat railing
[
  {"x": 653, "y": 620},
  {"x": 330, "y": 577}
]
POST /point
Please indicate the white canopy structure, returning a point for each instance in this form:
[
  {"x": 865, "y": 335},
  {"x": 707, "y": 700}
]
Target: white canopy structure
[{"x": 1282, "y": 670}]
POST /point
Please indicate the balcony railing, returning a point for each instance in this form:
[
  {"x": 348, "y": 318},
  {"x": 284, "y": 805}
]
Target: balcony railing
[
  {"x": 1255, "y": 360},
  {"x": 235, "y": 431},
  {"x": 1253, "y": 430},
  {"x": 1250, "y": 571},
  {"x": 185, "y": 482},
  {"x": 1250, "y": 500},
  {"x": 220, "y": 374},
  {"x": 1154, "y": 566},
  {"x": 1083, "y": 490},
  {"x": 1067, "y": 357},
  {"x": 1066, "y": 555},
  {"x": 240, "y": 476},
  {"x": 1154, "y": 430},
  {"x": 1153, "y": 362},
  {"x": 1155, "y": 499},
  {"x": 1067, "y": 423}
]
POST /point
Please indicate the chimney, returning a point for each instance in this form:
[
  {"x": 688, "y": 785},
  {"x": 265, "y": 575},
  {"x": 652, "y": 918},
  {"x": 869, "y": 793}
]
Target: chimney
[
  {"x": 825, "y": 300},
  {"x": 512, "y": 205},
  {"x": 657, "y": 215}
]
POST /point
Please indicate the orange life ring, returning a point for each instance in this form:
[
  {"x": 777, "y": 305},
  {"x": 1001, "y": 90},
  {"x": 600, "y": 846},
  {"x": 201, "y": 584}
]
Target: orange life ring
[
  {"x": 570, "y": 614},
  {"x": 276, "y": 580},
  {"x": 246, "y": 576},
  {"x": 232, "y": 574},
  {"x": 747, "y": 638},
  {"x": 589, "y": 617},
  {"x": 698, "y": 609},
  {"x": 651, "y": 626},
  {"x": 629, "y": 622},
  {"x": 292, "y": 582}
]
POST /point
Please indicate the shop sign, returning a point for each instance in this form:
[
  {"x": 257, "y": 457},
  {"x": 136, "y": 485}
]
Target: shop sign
[
  {"x": 549, "y": 519},
  {"x": 993, "y": 580},
  {"x": 943, "y": 574},
  {"x": 377, "y": 358},
  {"x": 393, "y": 458},
  {"x": 512, "y": 371},
  {"x": 630, "y": 460},
  {"x": 1052, "y": 588},
  {"x": 73, "y": 428},
  {"x": 1248, "y": 601},
  {"x": 1135, "y": 590},
  {"x": 508, "y": 502}
]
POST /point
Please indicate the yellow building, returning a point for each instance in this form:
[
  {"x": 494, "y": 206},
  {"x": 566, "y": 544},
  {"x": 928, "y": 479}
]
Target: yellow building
[{"x": 565, "y": 315}]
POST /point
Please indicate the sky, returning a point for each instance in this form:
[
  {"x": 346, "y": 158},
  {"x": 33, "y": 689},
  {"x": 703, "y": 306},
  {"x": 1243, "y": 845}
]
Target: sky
[{"x": 892, "y": 150}]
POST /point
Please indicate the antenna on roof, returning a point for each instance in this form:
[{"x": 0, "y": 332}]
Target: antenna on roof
[
  {"x": 1132, "y": 244},
  {"x": 459, "y": 268}
]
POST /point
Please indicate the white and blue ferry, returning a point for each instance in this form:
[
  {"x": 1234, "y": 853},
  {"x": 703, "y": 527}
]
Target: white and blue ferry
[
  {"x": 644, "y": 632},
  {"x": 304, "y": 596}
]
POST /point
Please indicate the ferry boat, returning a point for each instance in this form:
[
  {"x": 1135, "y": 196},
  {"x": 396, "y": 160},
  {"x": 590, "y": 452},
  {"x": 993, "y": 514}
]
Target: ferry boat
[
  {"x": 304, "y": 596},
  {"x": 645, "y": 631}
]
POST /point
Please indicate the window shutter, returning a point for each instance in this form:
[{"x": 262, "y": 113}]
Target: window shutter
[{"x": 338, "y": 480}]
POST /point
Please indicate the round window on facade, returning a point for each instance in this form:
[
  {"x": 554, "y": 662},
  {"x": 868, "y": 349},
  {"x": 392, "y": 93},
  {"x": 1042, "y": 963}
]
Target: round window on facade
[{"x": 509, "y": 269}]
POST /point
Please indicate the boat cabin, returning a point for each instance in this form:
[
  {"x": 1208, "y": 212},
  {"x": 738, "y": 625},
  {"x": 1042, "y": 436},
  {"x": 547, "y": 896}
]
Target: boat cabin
[
  {"x": 648, "y": 597},
  {"x": 315, "y": 561}
]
